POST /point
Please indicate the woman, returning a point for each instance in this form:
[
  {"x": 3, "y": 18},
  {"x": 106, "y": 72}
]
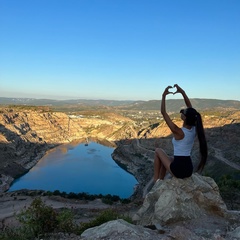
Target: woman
[{"x": 180, "y": 165}]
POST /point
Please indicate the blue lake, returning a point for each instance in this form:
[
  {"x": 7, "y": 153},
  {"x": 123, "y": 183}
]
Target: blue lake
[{"x": 78, "y": 168}]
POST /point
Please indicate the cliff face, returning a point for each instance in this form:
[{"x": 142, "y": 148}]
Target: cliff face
[
  {"x": 37, "y": 127},
  {"x": 26, "y": 136}
]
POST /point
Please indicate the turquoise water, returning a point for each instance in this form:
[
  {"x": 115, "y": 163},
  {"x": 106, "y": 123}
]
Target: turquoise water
[{"x": 79, "y": 168}]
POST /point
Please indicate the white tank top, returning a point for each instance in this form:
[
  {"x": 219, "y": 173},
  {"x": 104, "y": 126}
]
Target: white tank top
[{"x": 184, "y": 146}]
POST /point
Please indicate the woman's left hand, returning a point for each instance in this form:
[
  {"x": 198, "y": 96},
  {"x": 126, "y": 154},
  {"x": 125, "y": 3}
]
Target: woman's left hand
[{"x": 166, "y": 91}]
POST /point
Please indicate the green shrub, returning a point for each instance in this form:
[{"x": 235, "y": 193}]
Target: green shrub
[
  {"x": 228, "y": 182},
  {"x": 125, "y": 201},
  {"x": 16, "y": 234},
  {"x": 66, "y": 221},
  {"x": 107, "y": 201},
  {"x": 229, "y": 187},
  {"x": 38, "y": 218}
]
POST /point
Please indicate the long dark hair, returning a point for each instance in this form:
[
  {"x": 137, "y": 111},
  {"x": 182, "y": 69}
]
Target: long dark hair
[{"x": 193, "y": 118}]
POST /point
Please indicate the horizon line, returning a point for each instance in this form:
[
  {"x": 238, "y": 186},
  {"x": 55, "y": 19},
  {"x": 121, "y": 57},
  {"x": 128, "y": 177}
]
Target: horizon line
[{"x": 102, "y": 99}]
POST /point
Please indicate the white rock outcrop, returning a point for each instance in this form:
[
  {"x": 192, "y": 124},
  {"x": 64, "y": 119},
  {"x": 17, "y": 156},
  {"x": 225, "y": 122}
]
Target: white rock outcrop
[
  {"x": 119, "y": 229},
  {"x": 174, "y": 200}
]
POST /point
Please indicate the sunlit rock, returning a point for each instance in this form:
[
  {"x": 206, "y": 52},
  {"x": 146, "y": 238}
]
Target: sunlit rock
[{"x": 175, "y": 200}]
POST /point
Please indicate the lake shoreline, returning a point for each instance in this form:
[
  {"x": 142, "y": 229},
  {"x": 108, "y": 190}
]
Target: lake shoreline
[{"x": 73, "y": 145}]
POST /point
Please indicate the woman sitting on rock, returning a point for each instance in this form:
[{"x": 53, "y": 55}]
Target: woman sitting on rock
[{"x": 180, "y": 166}]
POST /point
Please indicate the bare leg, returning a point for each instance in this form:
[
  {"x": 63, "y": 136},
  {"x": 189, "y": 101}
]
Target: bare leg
[
  {"x": 161, "y": 164},
  {"x": 157, "y": 167},
  {"x": 162, "y": 172}
]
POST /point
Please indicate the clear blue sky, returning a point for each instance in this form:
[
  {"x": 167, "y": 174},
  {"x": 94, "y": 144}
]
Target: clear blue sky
[{"x": 119, "y": 49}]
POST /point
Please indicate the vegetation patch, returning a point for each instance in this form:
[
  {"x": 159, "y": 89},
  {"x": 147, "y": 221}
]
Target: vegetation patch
[
  {"x": 229, "y": 187},
  {"x": 39, "y": 220}
]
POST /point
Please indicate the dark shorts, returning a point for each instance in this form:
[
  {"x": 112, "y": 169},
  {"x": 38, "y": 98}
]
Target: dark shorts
[{"x": 182, "y": 166}]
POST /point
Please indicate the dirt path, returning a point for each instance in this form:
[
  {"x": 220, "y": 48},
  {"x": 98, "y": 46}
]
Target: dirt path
[
  {"x": 12, "y": 205},
  {"x": 219, "y": 155}
]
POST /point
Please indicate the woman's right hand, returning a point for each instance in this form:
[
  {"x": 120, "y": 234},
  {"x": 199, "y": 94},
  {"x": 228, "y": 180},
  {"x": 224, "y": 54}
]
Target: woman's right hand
[
  {"x": 179, "y": 90},
  {"x": 186, "y": 99}
]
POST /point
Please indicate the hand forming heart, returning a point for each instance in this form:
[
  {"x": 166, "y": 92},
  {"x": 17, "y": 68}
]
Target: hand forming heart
[{"x": 174, "y": 89}]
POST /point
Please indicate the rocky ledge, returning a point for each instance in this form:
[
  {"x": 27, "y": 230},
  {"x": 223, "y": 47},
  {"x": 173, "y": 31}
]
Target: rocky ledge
[{"x": 189, "y": 208}]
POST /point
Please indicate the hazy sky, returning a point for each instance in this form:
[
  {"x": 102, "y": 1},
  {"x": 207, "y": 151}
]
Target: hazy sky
[{"x": 119, "y": 49}]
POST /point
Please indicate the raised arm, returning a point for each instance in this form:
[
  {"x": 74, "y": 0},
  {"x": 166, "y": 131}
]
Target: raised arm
[
  {"x": 185, "y": 97},
  {"x": 177, "y": 132}
]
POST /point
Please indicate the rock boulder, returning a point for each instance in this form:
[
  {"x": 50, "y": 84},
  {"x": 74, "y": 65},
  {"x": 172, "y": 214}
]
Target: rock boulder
[
  {"x": 174, "y": 200},
  {"x": 119, "y": 229}
]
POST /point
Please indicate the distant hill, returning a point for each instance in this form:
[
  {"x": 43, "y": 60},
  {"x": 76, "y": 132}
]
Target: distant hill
[
  {"x": 51, "y": 102},
  {"x": 173, "y": 105}
]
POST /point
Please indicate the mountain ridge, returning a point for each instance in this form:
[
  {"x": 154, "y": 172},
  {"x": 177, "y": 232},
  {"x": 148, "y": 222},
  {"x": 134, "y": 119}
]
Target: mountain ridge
[{"x": 172, "y": 104}]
